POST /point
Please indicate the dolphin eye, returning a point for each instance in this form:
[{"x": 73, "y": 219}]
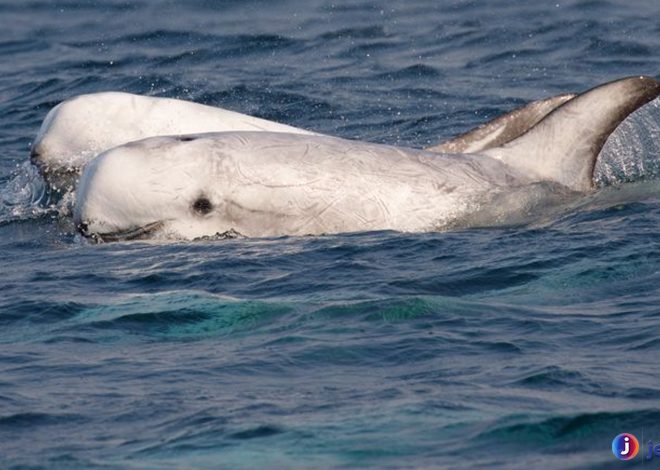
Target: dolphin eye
[{"x": 202, "y": 206}]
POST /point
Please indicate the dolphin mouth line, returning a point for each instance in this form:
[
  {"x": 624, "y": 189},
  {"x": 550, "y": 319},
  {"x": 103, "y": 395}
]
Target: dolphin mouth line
[{"x": 125, "y": 235}]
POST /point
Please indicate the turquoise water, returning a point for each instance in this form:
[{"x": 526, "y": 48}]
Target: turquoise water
[{"x": 519, "y": 346}]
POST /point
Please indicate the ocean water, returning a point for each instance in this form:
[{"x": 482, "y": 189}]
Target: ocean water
[{"x": 524, "y": 345}]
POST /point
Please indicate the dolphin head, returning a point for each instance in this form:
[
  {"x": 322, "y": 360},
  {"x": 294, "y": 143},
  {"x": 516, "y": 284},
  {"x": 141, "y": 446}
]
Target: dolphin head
[
  {"x": 164, "y": 186},
  {"x": 79, "y": 128}
]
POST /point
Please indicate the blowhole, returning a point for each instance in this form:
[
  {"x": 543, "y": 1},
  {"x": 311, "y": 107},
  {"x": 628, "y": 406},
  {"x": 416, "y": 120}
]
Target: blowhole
[{"x": 202, "y": 205}]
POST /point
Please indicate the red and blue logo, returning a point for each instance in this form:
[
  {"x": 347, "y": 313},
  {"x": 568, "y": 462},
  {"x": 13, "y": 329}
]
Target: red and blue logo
[{"x": 625, "y": 446}]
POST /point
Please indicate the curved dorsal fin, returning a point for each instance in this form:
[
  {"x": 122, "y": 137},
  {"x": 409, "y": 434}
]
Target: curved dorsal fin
[
  {"x": 502, "y": 129},
  {"x": 563, "y": 147}
]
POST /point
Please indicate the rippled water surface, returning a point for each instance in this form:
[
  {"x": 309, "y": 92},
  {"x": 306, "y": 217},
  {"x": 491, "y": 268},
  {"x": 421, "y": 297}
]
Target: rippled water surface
[{"x": 524, "y": 346}]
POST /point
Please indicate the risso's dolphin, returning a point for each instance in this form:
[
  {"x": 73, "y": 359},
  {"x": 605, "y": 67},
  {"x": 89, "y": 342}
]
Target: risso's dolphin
[
  {"x": 78, "y": 129},
  {"x": 269, "y": 184}
]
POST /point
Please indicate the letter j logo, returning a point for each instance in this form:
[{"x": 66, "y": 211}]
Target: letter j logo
[{"x": 625, "y": 446}]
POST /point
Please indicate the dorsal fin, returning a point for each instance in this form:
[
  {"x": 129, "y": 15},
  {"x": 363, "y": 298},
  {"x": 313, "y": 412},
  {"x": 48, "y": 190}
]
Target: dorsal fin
[
  {"x": 563, "y": 147},
  {"x": 502, "y": 129}
]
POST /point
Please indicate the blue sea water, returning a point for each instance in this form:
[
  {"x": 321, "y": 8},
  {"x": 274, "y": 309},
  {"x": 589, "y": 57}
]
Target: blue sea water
[{"x": 527, "y": 345}]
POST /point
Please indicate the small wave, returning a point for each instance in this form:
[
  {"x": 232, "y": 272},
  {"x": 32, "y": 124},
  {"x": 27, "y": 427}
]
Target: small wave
[
  {"x": 360, "y": 51},
  {"x": 158, "y": 37},
  {"x": 525, "y": 431},
  {"x": 31, "y": 419},
  {"x": 257, "y": 432},
  {"x": 366, "y": 32},
  {"x": 551, "y": 377},
  {"x": 178, "y": 316},
  {"x": 602, "y": 47},
  {"x": 416, "y": 71}
]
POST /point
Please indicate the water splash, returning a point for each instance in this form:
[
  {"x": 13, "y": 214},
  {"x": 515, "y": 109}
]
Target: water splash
[
  {"x": 25, "y": 195},
  {"x": 631, "y": 152}
]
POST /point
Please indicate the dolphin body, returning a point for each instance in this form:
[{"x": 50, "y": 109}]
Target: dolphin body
[
  {"x": 261, "y": 184},
  {"x": 78, "y": 129}
]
